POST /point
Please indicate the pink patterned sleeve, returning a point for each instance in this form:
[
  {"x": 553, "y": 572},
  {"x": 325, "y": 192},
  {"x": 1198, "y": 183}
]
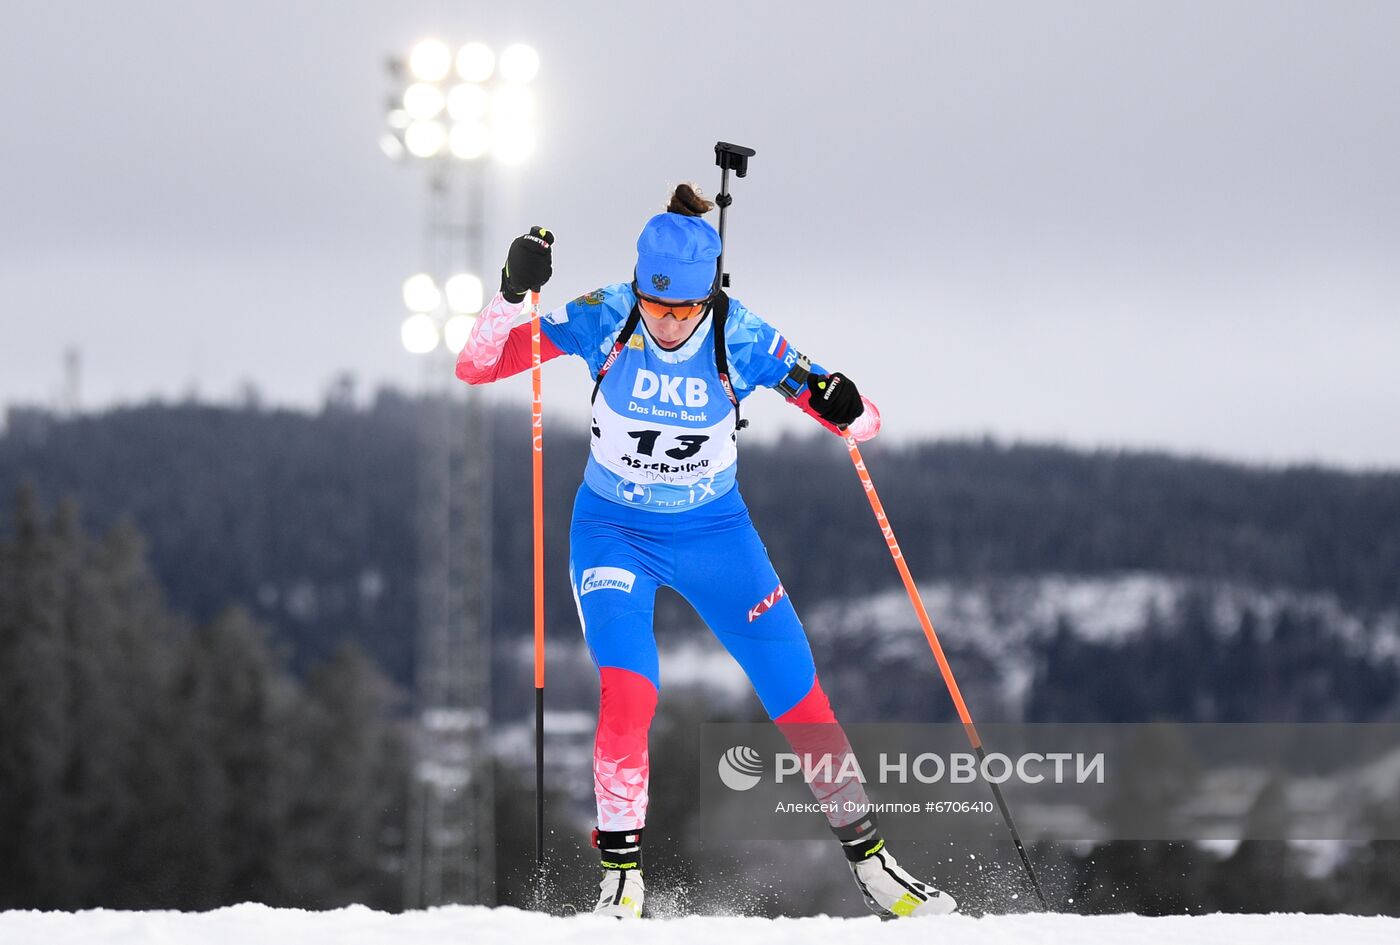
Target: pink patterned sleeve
[{"x": 495, "y": 350}]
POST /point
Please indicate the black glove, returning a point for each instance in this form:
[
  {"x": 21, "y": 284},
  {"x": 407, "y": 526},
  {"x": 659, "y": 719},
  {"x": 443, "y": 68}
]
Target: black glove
[
  {"x": 528, "y": 265},
  {"x": 835, "y": 398}
]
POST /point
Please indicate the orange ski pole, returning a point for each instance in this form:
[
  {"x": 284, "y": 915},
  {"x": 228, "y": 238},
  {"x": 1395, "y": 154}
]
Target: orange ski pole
[
  {"x": 537, "y": 461},
  {"x": 943, "y": 666}
]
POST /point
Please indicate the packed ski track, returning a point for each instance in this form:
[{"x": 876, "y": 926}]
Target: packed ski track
[{"x": 454, "y": 925}]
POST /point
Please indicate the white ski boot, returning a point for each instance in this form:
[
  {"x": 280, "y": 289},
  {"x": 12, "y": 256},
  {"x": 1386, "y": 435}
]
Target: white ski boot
[
  {"x": 892, "y": 893},
  {"x": 889, "y": 891},
  {"x": 622, "y": 892}
]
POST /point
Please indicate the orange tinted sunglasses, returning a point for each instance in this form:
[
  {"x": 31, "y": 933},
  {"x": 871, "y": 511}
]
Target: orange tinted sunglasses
[{"x": 680, "y": 311}]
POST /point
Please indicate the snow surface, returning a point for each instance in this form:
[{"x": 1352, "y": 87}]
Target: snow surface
[{"x": 250, "y": 924}]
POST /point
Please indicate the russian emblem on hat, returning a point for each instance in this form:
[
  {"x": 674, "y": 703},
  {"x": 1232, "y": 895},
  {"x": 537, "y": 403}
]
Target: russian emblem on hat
[{"x": 660, "y": 282}]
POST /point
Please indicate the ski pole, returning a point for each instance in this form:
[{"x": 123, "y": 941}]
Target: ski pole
[
  {"x": 537, "y": 461},
  {"x": 943, "y": 666}
]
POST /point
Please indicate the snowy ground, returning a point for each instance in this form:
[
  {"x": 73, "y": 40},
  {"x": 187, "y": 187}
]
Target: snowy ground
[{"x": 259, "y": 925}]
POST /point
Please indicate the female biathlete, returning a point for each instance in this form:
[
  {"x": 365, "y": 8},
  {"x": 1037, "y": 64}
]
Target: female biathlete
[{"x": 673, "y": 357}]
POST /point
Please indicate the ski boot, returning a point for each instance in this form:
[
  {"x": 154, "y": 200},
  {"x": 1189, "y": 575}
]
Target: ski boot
[
  {"x": 621, "y": 893},
  {"x": 889, "y": 891}
]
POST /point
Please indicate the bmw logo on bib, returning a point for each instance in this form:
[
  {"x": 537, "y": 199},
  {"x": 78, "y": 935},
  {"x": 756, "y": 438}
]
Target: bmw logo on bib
[{"x": 634, "y": 492}]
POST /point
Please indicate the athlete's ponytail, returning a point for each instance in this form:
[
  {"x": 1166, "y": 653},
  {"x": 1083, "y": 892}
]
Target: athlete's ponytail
[{"x": 686, "y": 201}]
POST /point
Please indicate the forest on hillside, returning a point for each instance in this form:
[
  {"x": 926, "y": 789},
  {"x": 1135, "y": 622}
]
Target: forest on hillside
[
  {"x": 306, "y": 519},
  {"x": 206, "y": 618}
]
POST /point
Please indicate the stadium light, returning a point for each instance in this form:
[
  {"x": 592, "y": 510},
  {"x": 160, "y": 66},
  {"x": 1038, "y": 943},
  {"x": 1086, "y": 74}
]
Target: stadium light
[
  {"x": 419, "y": 333},
  {"x": 449, "y": 109},
  {"x": 513, "y": 145},
  {"x": 391, "y": 146},
  {"x": 469, "y": 140},
  {"x": 475, "y": 62},
  {"x": 430, "y": 60},
  {"x": 463, "y": 106},
  {"x": 423, "y": 100},
  {"x": 468, "y": 102},
  {"x": 420, "y": 293},
  {"x": 519, "y": 63},
  {"x": 465, "y": 294},
  {"x": 425, "y": 138},
  {"x": 430, "y": 320},
  {"x": 454, "y": 111},
  {"x": 512, "y": 105}
]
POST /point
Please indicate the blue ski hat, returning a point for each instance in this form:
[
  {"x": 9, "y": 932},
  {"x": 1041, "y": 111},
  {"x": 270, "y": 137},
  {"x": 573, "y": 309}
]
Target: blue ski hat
[{"x": 676, "y": 257}]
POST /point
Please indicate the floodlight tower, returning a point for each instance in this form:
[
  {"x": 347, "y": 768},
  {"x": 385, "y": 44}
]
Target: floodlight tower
[{"x": 452, "y": 113}]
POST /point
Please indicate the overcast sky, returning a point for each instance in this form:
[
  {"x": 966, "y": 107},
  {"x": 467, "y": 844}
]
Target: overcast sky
[{"x": 1105, "y": 224}]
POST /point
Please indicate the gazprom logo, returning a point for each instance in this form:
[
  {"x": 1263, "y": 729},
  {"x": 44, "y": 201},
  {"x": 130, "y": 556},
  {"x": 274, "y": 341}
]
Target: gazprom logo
[
  {"x": 740, "y": 768},
  {"x": 598, "y": 579}
]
